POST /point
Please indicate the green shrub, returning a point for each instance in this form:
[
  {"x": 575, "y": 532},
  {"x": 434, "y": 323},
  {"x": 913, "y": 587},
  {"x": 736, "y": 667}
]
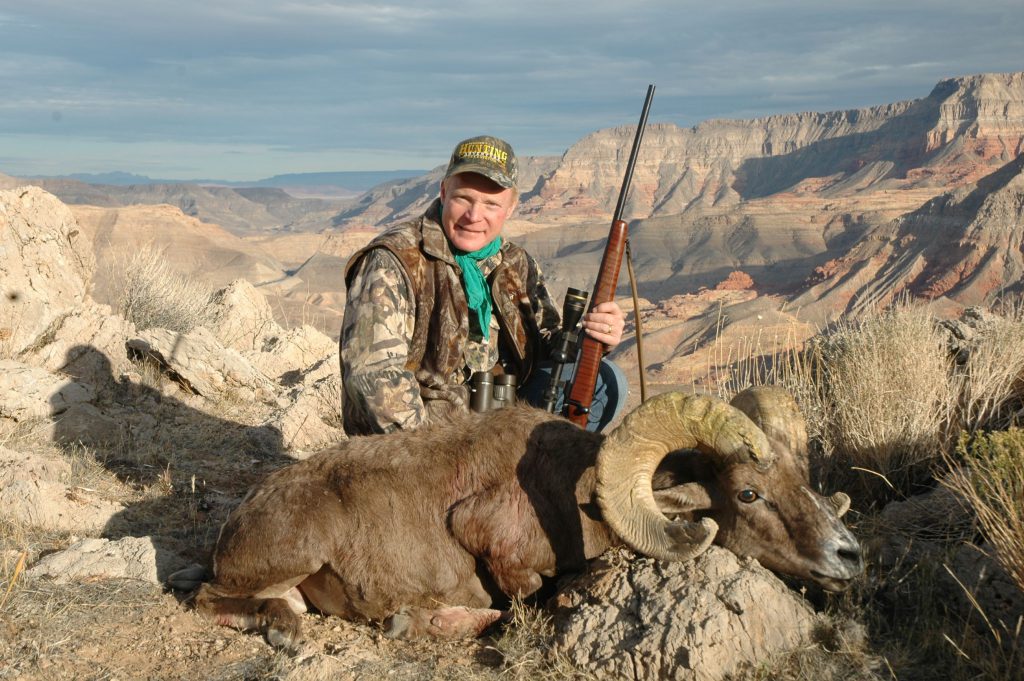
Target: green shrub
[{"x": 992, "y": 480}]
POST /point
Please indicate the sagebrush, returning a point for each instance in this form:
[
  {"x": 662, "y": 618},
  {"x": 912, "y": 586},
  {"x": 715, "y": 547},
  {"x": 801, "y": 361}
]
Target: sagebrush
[{"x": 154, "y": 295}]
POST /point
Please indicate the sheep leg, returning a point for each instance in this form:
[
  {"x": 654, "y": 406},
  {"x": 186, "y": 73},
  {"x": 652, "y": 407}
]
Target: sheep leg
[
  {"x": 276, "y": 618},
  {"x": 452, "y": 622}
]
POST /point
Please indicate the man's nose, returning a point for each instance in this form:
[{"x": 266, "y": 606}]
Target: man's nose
[{"x": 474, "y": 212}]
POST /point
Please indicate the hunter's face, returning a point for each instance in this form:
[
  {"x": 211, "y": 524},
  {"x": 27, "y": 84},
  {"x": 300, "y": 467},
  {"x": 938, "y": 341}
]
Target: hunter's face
[{"x": 474, "y": 210}]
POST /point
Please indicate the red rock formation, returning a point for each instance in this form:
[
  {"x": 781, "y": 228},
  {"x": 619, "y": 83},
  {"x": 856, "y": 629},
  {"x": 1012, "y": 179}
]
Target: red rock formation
[
  {"x": 736, "y": 281},
  {"x": 964, "y": 246}
]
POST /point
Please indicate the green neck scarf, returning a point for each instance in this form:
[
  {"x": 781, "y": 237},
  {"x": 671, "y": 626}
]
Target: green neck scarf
[{"x": 478, "y": 294}]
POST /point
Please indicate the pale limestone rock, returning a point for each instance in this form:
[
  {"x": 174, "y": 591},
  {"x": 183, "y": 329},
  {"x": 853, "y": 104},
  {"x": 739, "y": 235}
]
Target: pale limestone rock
[
  {"x": 46, "y": 264},
  {"x": 302, "y": 346},
  {"x": 199, "y": 361},
  {"x": 305, "y": 424},
  {"x": 87, "y": 343},
  {"x": 700, "y": 620},
  {"x": 242, "y": 318},
  {"x": 55, "y": 506},
  {"x": 89, "y": 559},
  {"x": 294, "y": 353},
  {"x": 21, "y": 466},
  {"x": 33, "y": 491},
  {"x": 85, "y": 424},
  {"x": 309, "y": 417},
  {"x": 28, "y": 392}
]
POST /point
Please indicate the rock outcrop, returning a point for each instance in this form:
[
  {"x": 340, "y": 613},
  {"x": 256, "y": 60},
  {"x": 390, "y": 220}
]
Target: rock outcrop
[
  {"x": 92, "y": 559},
  {"x": 46, "y": 263},
  {"x": 34, "y": 492},
  {"x": 700, "y": 620}
]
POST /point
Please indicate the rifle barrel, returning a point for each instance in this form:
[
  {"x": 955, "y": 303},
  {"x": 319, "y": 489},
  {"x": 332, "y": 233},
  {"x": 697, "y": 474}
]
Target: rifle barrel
[{"x": 632, "y": 154}]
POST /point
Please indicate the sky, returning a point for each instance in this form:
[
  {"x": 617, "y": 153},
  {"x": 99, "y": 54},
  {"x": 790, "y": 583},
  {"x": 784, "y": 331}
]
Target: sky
[{"x": 245, "y": 89}]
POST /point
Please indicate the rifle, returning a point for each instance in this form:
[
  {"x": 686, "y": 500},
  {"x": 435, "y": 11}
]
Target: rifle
[{"x": 584, "y": 380}]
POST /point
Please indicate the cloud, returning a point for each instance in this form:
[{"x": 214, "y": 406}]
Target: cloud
[{"x": 360, "y": 81}]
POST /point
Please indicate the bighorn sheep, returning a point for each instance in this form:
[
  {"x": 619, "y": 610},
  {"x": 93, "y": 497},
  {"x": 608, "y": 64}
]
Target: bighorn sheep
[{"x": 425, "y": 529}]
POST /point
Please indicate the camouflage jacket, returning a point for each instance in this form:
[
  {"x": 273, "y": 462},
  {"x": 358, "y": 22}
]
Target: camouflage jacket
[{"x": 407, "y": 348}]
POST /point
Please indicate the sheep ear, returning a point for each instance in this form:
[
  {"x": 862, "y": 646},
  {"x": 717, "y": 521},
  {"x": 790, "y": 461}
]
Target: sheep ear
[
  {"x": 685, "y": 498},
  {"x": 841, "y": 502}
]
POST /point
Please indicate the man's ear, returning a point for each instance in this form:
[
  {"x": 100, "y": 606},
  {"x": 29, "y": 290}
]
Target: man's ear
[
  {"x": 512, "y": 208},
  {"x": 444, "y": 190}
]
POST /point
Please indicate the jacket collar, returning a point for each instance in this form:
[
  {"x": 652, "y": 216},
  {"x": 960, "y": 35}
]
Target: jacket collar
[{"x": 435, "y": 243}]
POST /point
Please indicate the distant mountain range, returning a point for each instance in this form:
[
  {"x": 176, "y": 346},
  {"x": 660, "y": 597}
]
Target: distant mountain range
[{"x": 354, "y": 181}]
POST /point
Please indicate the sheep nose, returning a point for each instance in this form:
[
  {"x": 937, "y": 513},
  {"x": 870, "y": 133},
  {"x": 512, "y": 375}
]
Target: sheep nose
[{"x": 849, "y": 554}]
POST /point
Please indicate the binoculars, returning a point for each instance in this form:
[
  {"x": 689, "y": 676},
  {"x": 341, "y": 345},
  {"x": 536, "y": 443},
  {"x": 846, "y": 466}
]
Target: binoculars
[{"x": 487, "y": 391}]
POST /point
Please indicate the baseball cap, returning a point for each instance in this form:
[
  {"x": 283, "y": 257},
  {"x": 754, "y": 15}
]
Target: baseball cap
[{"x": 488, "y": 156}]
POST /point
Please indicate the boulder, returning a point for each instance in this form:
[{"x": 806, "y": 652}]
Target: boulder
[
  {"x": 85, "y": 424},
  {"x": 30, "y": 392},
  {"x": 87, "y": 343},
  {"x": 199, "y": 362},
  {"x": 637, "y": 618},
  {"x": 21, "y": 466},
  {"x": 291, "y": 357},
  {"x": 33, "y": 491},
  {"x": 90, "y": 559},
  {"x": 311, "y": 420},
  {"x": 241, "y": 317},
  {"x": 46, "y": 264}
]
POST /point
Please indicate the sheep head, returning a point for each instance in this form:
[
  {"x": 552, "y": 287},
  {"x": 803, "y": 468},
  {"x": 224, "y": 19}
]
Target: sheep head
[{"x": 751, "y": 493}]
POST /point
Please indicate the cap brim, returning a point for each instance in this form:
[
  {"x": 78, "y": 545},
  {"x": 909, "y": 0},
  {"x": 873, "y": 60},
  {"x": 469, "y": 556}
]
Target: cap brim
[{"x": 484, "y": 169}]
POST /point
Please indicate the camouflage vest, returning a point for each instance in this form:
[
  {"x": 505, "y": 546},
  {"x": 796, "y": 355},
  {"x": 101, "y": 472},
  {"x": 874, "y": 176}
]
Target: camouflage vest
[{"x": 437, "y": 347}]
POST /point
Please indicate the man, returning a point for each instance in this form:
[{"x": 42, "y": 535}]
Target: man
[{"x": 433, "y": 300}]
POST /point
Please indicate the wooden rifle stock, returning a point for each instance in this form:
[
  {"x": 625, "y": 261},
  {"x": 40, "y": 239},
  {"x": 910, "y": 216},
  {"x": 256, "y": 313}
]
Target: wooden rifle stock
[
  {"x": 584, "y": 380},
  {"x": 581, "y": 395}
]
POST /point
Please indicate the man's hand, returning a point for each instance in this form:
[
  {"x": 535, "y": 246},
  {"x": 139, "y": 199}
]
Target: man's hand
[{"x": 605, "y": 323}]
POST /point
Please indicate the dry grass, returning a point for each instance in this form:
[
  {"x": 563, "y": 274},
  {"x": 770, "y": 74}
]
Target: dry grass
[
  {"x": 153, "y": 295},
  {"x": 883, "y": 402},
  {"x": 523, "y": 649},
  {"x": 885, "y": 398},
  {"x": 878, "y": 393},
  {"x": 989, "y": 383},
  {"x": 839, "y": 655},
  {"x": 7, "y": 349}
]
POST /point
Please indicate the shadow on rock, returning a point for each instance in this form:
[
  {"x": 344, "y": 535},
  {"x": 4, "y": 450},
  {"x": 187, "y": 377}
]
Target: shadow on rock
[{"x": 187, "y": 467}]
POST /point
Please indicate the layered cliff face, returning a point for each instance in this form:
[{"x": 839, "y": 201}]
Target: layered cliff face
[
  {"x": 963, "y": 247},
  {"x": 962, "y": 131}
]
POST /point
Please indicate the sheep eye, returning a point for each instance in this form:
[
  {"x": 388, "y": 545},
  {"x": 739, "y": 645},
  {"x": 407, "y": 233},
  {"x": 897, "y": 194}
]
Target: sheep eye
[{"x": 748, "y": 496}]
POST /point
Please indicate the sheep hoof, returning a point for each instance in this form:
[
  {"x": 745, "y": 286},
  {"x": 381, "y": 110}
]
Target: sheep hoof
[
  {"x": 187, "y": 579},
  {"x": 285, "y": 640},
  {"x": 397, "y": 625}
]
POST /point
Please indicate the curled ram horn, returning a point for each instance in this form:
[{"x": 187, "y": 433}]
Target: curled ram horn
[
  {"x": 631, "y": 453},
  {"x": 777, "y": 414}
]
